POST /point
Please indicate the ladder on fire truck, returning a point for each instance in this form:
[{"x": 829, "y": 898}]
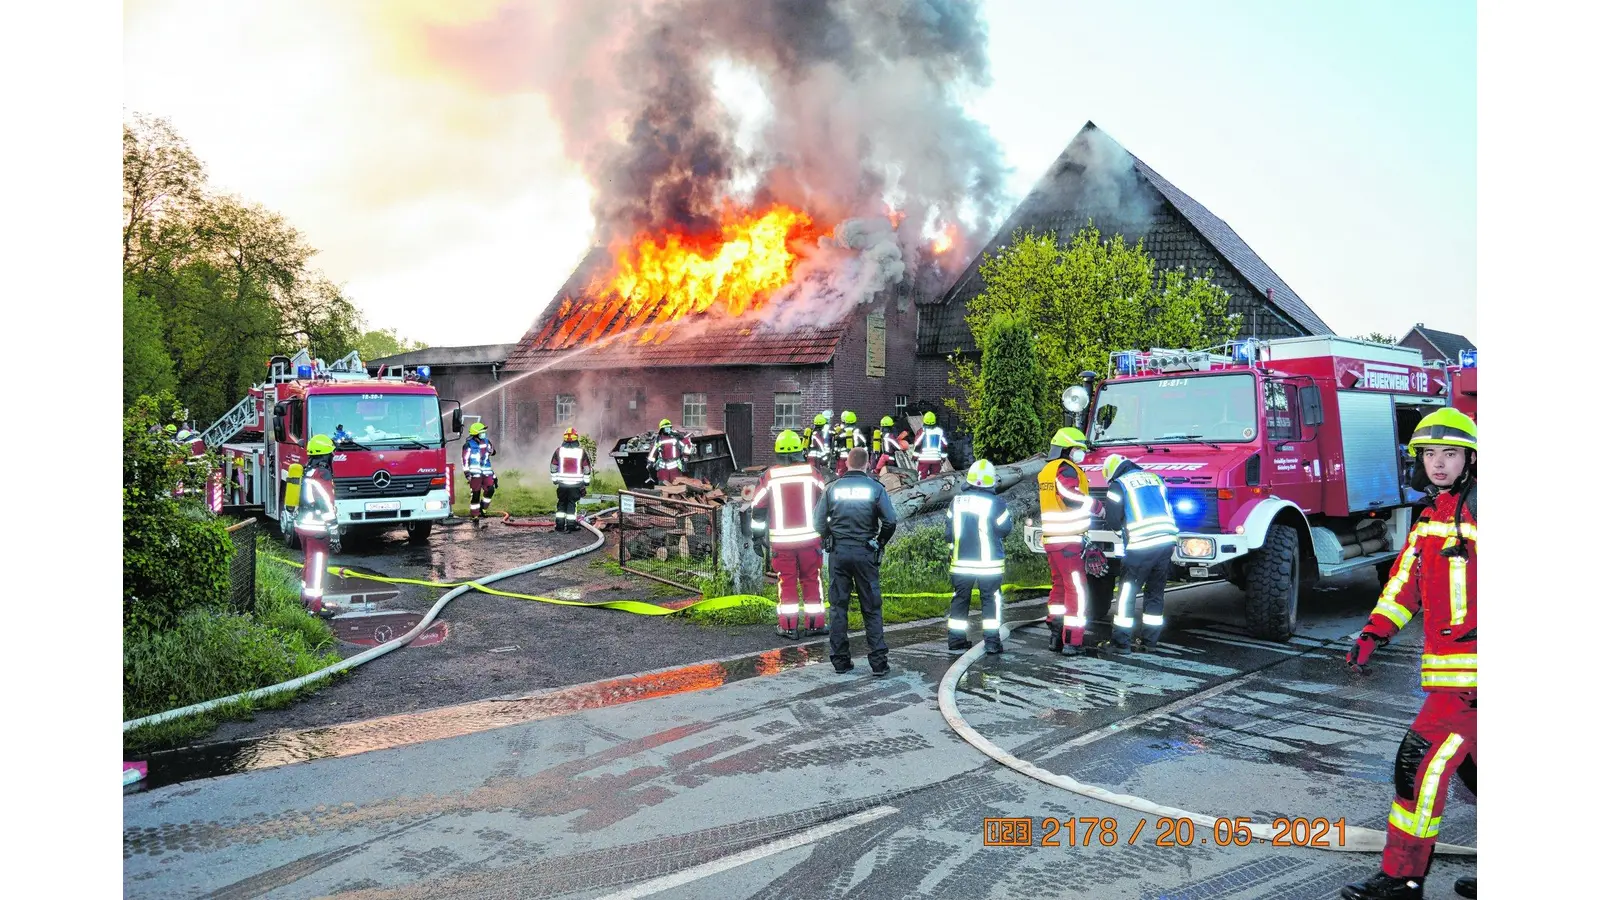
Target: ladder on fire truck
[{"x": 243, "y": 415}]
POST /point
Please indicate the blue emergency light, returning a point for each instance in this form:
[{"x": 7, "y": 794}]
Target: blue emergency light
[
  {"x": 1125, "y": 363},
  {"x": 1468, "y": 359},
  {"x": 422, "y": 372},
  {"x": 303, "y": 372},
  {"x": 1244, "y": 351},
  {"x": 1191, "y": 508}
]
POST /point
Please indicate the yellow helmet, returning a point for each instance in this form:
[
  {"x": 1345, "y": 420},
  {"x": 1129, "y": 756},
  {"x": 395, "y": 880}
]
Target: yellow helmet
[
  {"x": 665, "y": 423},
  {"x": 320, "y": 445},
  {"x": 888, "y": 422},
  {"x": 788, "y": 442},
  {"x": 981, "y": 474},
  {"x": 1067, "y": 438},
  {"x": 1448, "y": 427},
  {"x": 571, "y": 434},
  {"x": 1112, "y": 462},
  {"x": 477, "y": 429},
  {"x": 820, "y": 419},
  {"x": 849, "y": 417},
  {"x": 928, "y": 418}
]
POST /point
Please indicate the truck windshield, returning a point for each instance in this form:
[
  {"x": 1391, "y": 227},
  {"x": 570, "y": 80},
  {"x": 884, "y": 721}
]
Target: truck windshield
[
  {"x": 1196, "y": 408},
  {"x": 378, "y": 420}
]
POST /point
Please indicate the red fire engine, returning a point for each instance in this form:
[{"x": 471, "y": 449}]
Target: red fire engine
[
  {"x": 389, "y": 466},
  {"x": 1285, "y": 460}
]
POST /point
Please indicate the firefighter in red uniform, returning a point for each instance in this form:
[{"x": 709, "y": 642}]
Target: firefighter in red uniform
[
  {"x": 781, "y": 516},
  {"x": 571, "y": 471},
  {"x": 884, "y": 445},
  {"x": 316, "y": 521},
  {"x": 930, "y": 447},
  {"x": 666, "y": 457},
  {"x": 1064, "y": 510},
  {"x": 1436, "y": 576},
  {"x": 479, "y": 467}
]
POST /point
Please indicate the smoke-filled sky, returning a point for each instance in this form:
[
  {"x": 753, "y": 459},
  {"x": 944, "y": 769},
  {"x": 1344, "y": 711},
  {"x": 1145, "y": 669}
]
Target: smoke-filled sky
[{"x": 454, "y": 160}]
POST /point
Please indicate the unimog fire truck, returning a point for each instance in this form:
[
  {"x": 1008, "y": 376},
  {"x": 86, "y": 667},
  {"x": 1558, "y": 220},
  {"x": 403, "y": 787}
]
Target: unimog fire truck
[
  {"x": 1284, "y": 460},
  {"x": 389, "y": 468}
]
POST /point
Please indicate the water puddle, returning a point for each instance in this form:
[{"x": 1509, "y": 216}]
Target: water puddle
[{"x": 364, "y": 628}]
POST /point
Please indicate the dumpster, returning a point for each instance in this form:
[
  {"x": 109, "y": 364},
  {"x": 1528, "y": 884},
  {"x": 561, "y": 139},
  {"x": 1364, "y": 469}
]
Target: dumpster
[{"x": 710, "y": 459}]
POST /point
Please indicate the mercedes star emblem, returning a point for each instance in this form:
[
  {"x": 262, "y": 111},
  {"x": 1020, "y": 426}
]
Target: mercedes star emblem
[{"x": 381, "y": 479}]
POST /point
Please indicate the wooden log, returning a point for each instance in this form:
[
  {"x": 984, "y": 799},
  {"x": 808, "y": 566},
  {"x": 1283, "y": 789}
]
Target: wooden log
[
  {"x": 683, "y": 547},
  {"x": 673, "y": 490},
  {"x": 938, "y": 491},
  {"x": 661, "y": 554},
  {"x": 636, "y": 522},
  {"x": 688, "y": 524}
]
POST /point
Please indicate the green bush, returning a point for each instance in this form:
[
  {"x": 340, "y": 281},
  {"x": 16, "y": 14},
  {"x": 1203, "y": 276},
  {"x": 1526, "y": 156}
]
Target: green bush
[
  {"x": 175, "y": 553},
  {"x": 1011, "y": 385}
]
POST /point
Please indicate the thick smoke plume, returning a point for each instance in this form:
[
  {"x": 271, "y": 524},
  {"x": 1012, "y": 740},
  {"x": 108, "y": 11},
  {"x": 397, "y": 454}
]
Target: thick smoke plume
[{"x": 863, "y": 105}]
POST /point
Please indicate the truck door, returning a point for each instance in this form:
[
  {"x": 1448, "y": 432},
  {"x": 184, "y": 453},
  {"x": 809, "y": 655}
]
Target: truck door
[{"x": 1291, "y": 447}]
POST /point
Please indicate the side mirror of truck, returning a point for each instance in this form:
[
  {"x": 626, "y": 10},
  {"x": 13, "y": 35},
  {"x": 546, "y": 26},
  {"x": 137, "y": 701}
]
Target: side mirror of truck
[
  {"x": 277, "y": 427},
  {"x": 456, "y": 420},
  {"x": 1310, "y": 404}
]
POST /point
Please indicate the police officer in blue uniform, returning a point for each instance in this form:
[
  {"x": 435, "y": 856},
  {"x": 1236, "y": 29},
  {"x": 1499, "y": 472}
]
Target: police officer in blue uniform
[
  {"x": 976, "y": 524},
  {"x": 856, "y": 520},
  {"x": 1137, "y": 507}
]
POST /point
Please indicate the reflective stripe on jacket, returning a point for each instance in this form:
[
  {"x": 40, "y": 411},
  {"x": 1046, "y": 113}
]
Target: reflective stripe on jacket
[
  {"x": 786, "y": 497},
  {"x": 1064, "y": 502},
  {"x": 976, "y": 524},
  {"x": 569, "y": 465},
  {"x": 1444, "y": 588}
]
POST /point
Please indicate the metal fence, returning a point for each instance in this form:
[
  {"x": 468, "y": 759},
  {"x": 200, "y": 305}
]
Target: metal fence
[{"x": 242, "y": 571}]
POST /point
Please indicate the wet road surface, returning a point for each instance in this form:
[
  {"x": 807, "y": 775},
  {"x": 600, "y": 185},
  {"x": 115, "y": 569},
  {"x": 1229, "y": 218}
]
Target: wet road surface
[{"x": 805, "y": 783}]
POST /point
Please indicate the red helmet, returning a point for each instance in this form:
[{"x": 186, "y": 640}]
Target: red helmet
[{"x": 571, "y": 435}]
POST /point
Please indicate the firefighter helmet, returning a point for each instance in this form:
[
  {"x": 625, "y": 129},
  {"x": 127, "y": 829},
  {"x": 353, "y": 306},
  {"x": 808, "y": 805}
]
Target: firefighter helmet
[
  {"x": 1448, "y": 427},
  {"x": 888, "y": 422},
  {"x": 1067, "y": 438},
  {"x": 665, "y": 423},
  {"x": 1113, "y": 462},
  {"x": 477, "y": 429},
  {"x": 570, "y": 435},
  {"x": 172, "y": 429},
  {"x": 929, "y": 418},
  {"x": 981, "y": 474},
  {"x": 849, "y": 417},
  {"x": 320, "y": 445},
  {"x": 788, "y": 442},
  {"x": 820, "y": 419}
]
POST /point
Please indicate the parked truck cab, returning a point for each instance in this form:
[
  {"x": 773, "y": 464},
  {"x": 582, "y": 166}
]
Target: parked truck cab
[{"x": 1284, "y": 461}]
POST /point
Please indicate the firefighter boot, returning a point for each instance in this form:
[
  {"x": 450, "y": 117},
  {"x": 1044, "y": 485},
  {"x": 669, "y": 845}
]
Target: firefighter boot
[
  {"x": 1054, "y": 627},
  {"x": 1467, "y": 886},
  {"x": 1384, "y": 887}
]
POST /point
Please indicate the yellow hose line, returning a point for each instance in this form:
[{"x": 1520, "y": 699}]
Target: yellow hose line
[{"x": 637, "y": 607}]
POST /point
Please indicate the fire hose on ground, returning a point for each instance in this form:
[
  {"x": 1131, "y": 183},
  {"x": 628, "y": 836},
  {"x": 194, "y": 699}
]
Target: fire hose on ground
[
  {"x": 1357, "y": 839},
  {"x": 375, "y": 652}
]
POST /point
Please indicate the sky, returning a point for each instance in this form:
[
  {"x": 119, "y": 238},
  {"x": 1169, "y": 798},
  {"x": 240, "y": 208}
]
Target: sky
[{"x": 1338, "y": 139}]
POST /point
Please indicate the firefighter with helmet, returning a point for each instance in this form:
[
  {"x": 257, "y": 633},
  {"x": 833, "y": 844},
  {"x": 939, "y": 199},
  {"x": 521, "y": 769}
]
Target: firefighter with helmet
[
  {"x": 885, "y": 444},
  {"x": 819, "y": 442},
  {"x": 571, "y": 471},
  {"x": 976, "y": 524},
  {"x": 1136, "y": 506},
  {"x": 667, "y": 456},
  {"x": 476, "y": 462},
  {"x": 1435, "y": 579},
  {"x": 1064, "y": 510},
  {"x": 316, "y": 521},
  {"x": 781, "y": 520},
  {"x": 846, "y": 437},
  {"x": 930, "y": 447}
]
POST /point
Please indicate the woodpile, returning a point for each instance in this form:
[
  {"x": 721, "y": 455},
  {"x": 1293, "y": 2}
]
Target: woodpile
[{"x": 663, "y": 525}]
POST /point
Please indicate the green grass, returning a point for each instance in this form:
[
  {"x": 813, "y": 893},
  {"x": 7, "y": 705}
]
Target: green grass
[
  {"x": 524, "y": 494},
  {"x": 211, "y": 654}
]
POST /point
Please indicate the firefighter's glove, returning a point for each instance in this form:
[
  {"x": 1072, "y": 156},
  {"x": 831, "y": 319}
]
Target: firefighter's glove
[{"x": 1360, "y": 655}]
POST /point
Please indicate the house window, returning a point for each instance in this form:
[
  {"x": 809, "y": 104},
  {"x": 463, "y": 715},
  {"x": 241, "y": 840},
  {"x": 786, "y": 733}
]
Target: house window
[
  {"x": 694, "y": 410},
  {"x": 786, "y": 410},
  {"x": 901, "y": 401},
  {"x": 566, "y": 407}
]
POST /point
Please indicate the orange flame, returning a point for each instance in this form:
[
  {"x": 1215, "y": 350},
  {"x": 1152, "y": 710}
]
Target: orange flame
[
  {"x": 658, "y": 279},
  {"x": 944, "y": 240}
]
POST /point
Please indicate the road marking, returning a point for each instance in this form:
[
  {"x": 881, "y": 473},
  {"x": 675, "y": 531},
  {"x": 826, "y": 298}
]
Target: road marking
[{"x": 695, "y": 873}]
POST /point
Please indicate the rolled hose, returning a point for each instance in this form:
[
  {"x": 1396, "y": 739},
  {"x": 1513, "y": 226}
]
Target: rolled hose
[
  {"x": 1357, "y": 839},
  {"x": 372, "y": 654}
]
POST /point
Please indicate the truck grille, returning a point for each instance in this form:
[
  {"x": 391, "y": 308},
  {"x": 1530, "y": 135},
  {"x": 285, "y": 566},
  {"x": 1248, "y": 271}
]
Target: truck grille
[{"x": 363, "y": 487}]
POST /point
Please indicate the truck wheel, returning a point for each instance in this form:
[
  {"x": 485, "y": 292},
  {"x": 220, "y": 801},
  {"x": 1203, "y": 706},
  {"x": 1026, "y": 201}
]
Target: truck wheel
[
  {"x": 417, "y": 532},
  {"x": 291, "y": 538},
  {"x": 1272, "y": 586},
  {"x": 1101, "y": 593}
]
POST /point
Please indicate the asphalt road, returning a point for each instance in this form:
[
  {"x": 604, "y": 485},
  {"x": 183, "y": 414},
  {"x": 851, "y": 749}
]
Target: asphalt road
[{"x": 774, "y": 777}]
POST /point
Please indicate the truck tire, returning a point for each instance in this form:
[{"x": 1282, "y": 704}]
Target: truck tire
[
  {"x": 1101, "y": 592},
  {"x": 417, "y": 532},
  {"x": 1272, "y": 585},
  {"x": 291, "y": 538}
]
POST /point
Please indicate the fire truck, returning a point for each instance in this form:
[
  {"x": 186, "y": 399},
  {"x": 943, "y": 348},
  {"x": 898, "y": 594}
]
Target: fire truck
[
  {"x": 389, "y": 463},
  {"x": 1284, "y": 460}
]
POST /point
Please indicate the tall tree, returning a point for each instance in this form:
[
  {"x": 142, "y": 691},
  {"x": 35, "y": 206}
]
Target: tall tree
[
  {"x": 1084, "y": 301},
  {"x": 1012, "y": 393},
  {"x": 385, "y": 342}
]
